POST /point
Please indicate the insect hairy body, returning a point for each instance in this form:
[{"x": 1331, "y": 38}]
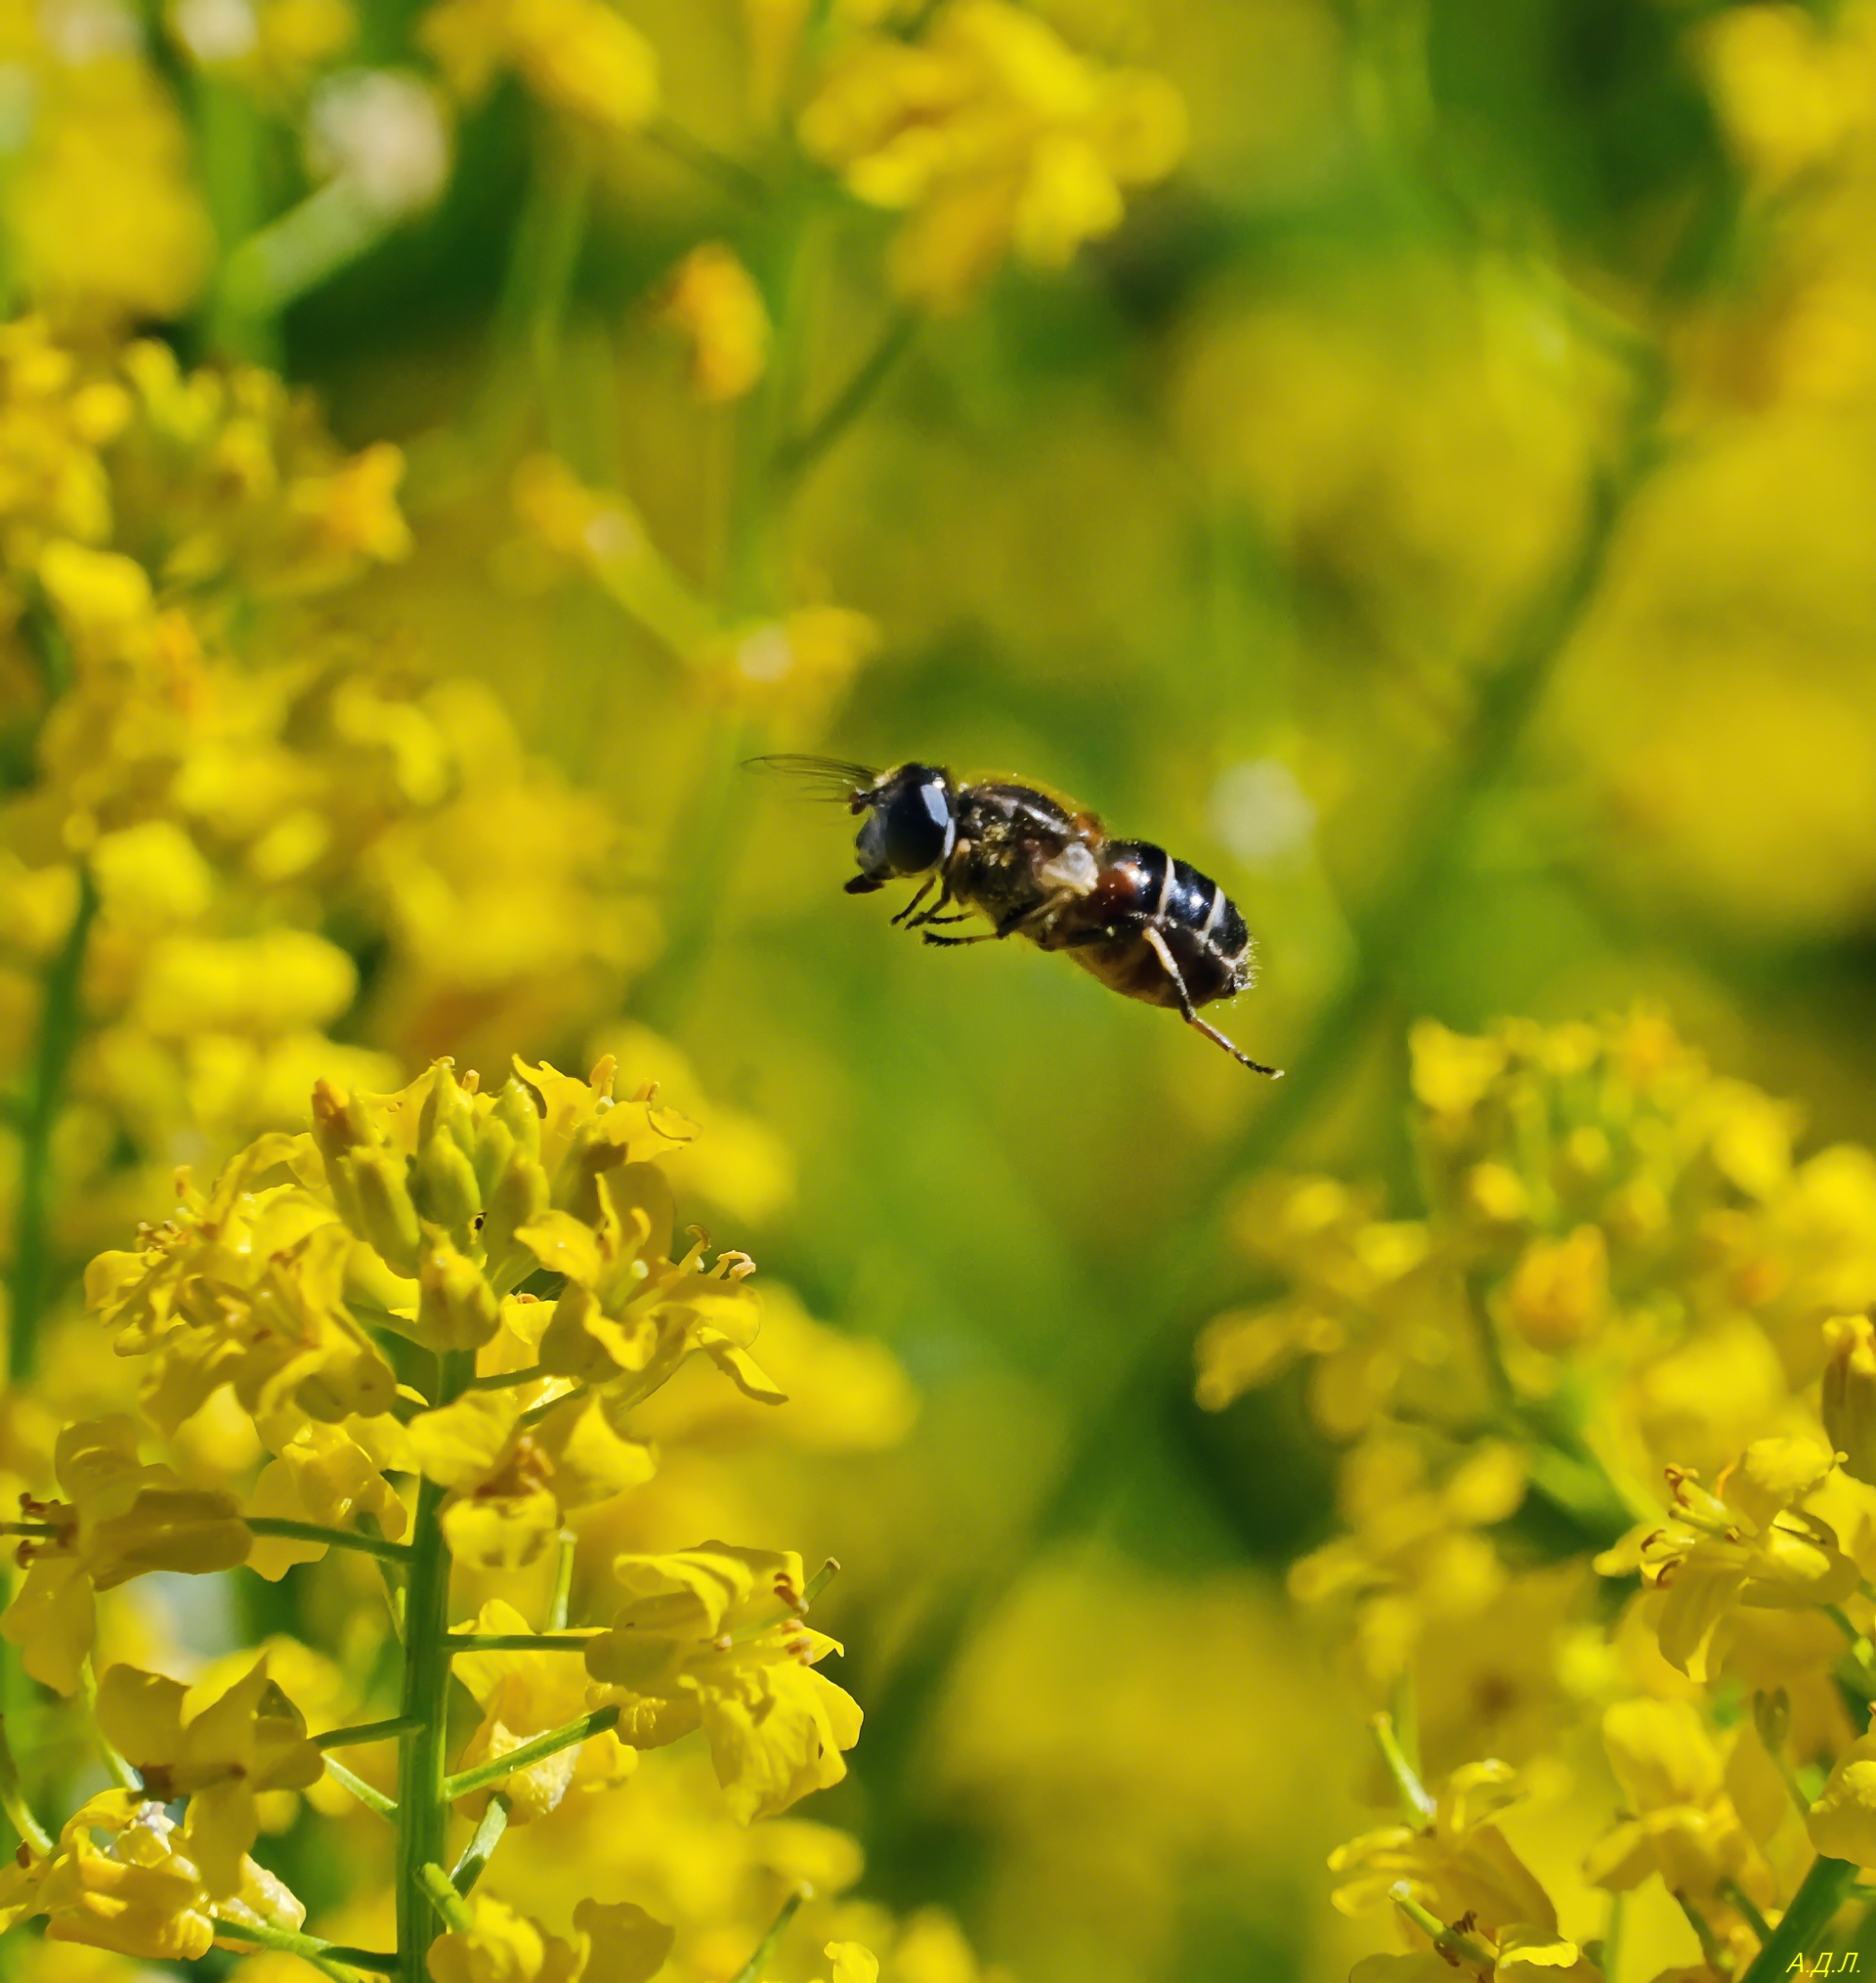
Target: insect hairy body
[{"x": 1147, "y": 926}]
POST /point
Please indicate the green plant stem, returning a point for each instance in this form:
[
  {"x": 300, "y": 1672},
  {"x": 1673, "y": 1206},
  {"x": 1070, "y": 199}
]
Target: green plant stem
[
  {"x": 440, "y": 1890},
  {"x": 562, "y": 1597},
  {"x": 518, "y": 1642},
  {"x": 122, "y": 1772},
  {"x": 309, "y": 1947},
  {"x": 371, "y": 1798},
  {"x": 61, "y": 1024},
  {"x": 1451, "y": 1943},
  {"x": 751, "y": 1970},
  {"x": 423, "y": 1812},
  {"x": 502, "y": 1380},
  {"x": 481, "y": 1848},
  {"x": 362, "y": 1732},
  {"x": 1744, "y": 1902},
  {"x": 338, "y": 1538},
  {"x": 1414, "y": 1797},
  {"x": 529, "y": 1752},
  {"x": 13, "y": 1801},
  {"x": 1825, "y": 1889},
  {"x": 796, "y": 457}
]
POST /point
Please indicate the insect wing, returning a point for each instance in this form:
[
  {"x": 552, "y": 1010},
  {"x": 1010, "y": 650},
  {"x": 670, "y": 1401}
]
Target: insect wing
[{"x": 831, "y": 780}]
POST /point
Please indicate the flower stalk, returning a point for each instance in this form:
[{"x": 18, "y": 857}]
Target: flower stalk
[
  {"x": 60, "y": 1022},
  {"x": 422, "y": 1804},
  {"x": 529, "y": 1752}
]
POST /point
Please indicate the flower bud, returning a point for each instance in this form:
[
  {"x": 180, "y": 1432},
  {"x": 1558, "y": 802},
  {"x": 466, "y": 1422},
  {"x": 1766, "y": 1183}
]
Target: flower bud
[
  {"x": 519, "y": 1198},
  {"x": 336, "y": 1126},
  {"x": 386, "y": 1216},
  {"x": 1850, "y": 1394},
  {"x": 456, "y": 1307},
  {"x": 449, "y": 1109},
  {"x": 443, "y": 1186}
]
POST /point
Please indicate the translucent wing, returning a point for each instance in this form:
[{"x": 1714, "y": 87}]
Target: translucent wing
[{"x": 831, "y": 779}]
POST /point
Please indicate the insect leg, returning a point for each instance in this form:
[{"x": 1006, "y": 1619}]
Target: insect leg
[
  {"x": 924, "y": 889},
  {"x": 1191, "y": 1011},
  {"x": 1012, "y": 923}
]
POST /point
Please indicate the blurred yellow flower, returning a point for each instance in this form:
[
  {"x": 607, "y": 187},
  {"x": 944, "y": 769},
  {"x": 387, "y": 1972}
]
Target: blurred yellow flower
[
  {"x": 713, "y": 303},
  {"x": 996, "y": 136},
  {"x": 610, "y": 1941},
  {"x": 1703, "y": 1809},
  {"x": 577, "y": 56},
  {"x": 119, "y": 1519}
]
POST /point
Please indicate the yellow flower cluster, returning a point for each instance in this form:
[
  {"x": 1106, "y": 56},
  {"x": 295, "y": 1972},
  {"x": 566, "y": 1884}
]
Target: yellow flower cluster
[
  {"x": 1628, "y": 1282},
  {"x": 992, "y": 135},
  {"x": 224, "y": 774},
  {"x": 360, "y": 1289}
]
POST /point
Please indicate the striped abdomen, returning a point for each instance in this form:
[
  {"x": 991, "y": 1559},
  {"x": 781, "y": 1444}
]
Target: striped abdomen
[{"x": 1139, "y": 885}]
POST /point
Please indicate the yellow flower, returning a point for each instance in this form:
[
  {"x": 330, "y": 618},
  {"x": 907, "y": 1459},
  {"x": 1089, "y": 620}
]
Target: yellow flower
[
  {"x": 711, "y": 1636},
  {"x": 331, "y": 1476},
  {"x": 1702, "y": 1809},
  {"x": 1372, "y": 1302},
  {"x": 615, "y": 1944},
  {"x": 513, "y": 1471},
  {"x": 221, "y": 1749},
  {"x": 246, "y": 1285},
  {"x": 1415, "y": 1560},
  {"x": 577, "y": 56},
  {"x": 996, "y": 136},
  {"x": 137, "y": 1892},
  {"x": 100, "y": 212},
  {"x": 1841, "y": 1823},
  {"x": 1848, "y": 1401},
  {"x": 712, "y": 301},
  {"x": 853, "y": 1962},
  {"x": 118, "y": 1520},
  {"x": 522, "y": 1695},
  {"x": 1459, "y": 1864},
  {"x": 1753, "y": 1543}
]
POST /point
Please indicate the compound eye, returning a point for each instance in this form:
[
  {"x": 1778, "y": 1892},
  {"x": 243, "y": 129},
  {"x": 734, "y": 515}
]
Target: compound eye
[{"x": 917, "y": 827}]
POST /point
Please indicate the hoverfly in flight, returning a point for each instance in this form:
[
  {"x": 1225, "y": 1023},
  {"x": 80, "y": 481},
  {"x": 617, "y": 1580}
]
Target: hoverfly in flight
[{"x": 1147, "y": 926}]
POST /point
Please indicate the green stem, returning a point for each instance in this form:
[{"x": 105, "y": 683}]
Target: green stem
[
  {"x": 1823, "y": 1891},
  {"x": 121, "y": 1773},
  {"x": 338, "y": 1538},
  {"x": 481, "y": 1848},
  {"x": 536, "y": 1413},
  {"x": 1414, "y": 1795},
  {"x": 751, "y": 1970},
  {"x": 309, "y": 1947},
  {"x": 795, "y": 458},
  {"x": 13, "y": 1801},
  {"x": 1451, "y": 1943},
  {"x": 563, "y": 1585},
  {"x": 707, "y": 162},
  {"x": 518, "y": 1642},
  {"x": 529, "y": 1752},
  {"x": 423, "y": 1812},
  {"x": 362, "y": 1732},
  {"x": 61, "y": 1024},
  {"x": 371, "y": 1798},
  {"x": 1744, "y": 1902},
  {"x": 448, "y": 1902},
  {"x": 502, "y": 1380}
]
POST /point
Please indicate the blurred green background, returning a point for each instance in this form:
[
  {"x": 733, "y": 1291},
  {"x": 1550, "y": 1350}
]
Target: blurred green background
[{"x": 1439, "y": 509}]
